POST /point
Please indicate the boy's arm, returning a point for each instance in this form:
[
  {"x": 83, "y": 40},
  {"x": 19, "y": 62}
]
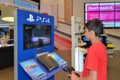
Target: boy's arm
[{"x": 92, "y": 76}]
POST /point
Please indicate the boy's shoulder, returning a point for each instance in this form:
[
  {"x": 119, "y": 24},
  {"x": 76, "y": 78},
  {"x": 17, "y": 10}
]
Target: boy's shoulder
[{"x": 97, "y": 45}]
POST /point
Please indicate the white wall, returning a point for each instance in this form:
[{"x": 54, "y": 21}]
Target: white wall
[
  {"x": 61, "y": 9},
  {"x": 45, "y": 5},
  {"x": 7, "y": 1}
]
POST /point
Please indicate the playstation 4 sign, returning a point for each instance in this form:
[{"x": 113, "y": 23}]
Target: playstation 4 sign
[
  {"x": 35, "y": 18},
  {"x": 42, "y": 19}
]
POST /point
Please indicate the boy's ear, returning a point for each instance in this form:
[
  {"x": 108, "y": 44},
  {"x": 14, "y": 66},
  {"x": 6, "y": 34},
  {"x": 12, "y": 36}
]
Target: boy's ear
[{"x": 92, "y": 33}]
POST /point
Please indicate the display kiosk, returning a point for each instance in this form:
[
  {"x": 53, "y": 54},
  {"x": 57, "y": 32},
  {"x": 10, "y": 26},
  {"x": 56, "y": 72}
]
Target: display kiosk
[
  {"x": 34, "y": 56},
  {"x": 76, "y": 32}
]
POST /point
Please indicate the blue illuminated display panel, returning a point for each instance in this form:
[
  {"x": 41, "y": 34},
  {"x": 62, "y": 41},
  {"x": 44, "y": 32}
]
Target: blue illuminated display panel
[{"x": 30, "y": 42}]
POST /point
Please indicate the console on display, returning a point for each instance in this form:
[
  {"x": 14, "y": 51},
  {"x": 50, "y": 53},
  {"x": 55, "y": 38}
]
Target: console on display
[
  {"x": 43, "y": 66},
  {"x": 36, "y": 36},
  {"x": 47, "y": 61}
]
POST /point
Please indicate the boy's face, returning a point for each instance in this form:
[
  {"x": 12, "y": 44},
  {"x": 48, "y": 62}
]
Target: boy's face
[{"x": 87, "y": 34}]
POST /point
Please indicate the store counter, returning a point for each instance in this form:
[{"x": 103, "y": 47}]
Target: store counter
[{"x": 6, "y": 56}]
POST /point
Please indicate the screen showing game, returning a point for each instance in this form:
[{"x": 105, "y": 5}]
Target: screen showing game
[
  {"x": 107, "y": 12},
  {"x": 36, "y": 36},
  {"x": 101, "y": 38},
  {"x": 84, "y": 38}
]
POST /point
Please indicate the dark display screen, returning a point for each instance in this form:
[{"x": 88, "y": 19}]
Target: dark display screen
[
  {"x": 101, "y": 38},
  {"x": 36, "y": 36},
  {"x": 4, "y": 31}
]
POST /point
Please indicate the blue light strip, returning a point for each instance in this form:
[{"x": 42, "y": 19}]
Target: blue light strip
[{"x": 26, "y": 5}]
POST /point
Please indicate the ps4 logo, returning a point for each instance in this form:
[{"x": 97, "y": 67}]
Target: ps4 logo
[
  {"x": 38, "y": 19},
  {"x": 30, "y": 19}
]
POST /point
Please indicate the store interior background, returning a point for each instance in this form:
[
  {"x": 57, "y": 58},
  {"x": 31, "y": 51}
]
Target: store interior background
[{"x": 62, "y": 10}]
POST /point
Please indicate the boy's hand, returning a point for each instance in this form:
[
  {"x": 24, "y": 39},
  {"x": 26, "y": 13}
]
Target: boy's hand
[{"x": 73, "y": 76}]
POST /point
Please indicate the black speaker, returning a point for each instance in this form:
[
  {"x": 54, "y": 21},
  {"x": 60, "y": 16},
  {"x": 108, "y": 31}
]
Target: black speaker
[{"x": 0, "y": 12}]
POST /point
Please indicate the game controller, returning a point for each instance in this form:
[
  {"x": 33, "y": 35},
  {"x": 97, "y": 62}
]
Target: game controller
[{"x": 69, "y": 70}]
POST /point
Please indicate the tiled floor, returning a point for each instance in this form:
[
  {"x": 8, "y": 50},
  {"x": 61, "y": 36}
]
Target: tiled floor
[
  {"x": 113, "y": 68},
  {"x": 7, "y": 74}
]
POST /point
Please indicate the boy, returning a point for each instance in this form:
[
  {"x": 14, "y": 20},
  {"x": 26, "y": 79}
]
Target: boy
[{"x": 95, "y": 67}]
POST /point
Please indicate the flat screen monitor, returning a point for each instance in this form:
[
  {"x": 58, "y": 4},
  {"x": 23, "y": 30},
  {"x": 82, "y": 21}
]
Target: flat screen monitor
[
  {"x": 107, "y": 12},
  {"x": 36, "y": 36},
  {"x": 86, "y": 40},
  {"x": 101, "y": 38},
  {"x": 4, "y": 31}
]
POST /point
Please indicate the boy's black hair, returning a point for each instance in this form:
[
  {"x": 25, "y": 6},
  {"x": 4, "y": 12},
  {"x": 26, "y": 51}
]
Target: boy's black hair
[{"x": 96, "y": 25}]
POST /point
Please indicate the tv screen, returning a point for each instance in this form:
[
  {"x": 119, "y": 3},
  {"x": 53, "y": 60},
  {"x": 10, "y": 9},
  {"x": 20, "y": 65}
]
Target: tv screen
[
  {"x": 36, "y": 36},
  {"x": 86, "y": 40},
  {"x": 4, "y": 31},
  {"x": 107, "y": 12},
  {"x": 101, "y": 38}
]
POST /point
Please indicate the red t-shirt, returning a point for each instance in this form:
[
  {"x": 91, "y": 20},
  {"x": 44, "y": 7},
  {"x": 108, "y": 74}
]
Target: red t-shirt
[{"x": 96, "y": 59}]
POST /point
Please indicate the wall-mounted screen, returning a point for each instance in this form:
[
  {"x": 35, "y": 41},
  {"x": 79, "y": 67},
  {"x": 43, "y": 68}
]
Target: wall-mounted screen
[
  {"x": 107, "y": 12},
  {"x": 36, "y": 36}
]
